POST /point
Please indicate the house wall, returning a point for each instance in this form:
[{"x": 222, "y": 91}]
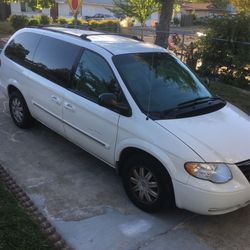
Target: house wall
[
  {"x": 16, "y": 10},
  {"x": 63, "y": 10},
  {"x": 90, "y": 10},
  {"x": 86, "y": 10},
  {"x": 199, "y": 13}
]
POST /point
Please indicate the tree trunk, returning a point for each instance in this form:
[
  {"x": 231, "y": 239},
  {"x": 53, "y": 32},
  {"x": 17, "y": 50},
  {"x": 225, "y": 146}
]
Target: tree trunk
[
  {"x": 163, "y": 27},
  {"x": 142, "y": 30},
  {"x": 75, "y": 19}
]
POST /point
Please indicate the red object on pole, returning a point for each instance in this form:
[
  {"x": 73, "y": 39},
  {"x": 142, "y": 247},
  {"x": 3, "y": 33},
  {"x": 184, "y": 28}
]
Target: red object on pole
[{"x": 74, "y": 5}]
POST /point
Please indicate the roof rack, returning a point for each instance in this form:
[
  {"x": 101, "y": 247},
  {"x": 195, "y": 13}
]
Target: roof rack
[{"x": 83, "y": 27}]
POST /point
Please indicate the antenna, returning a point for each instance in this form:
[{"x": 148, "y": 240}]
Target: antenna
[{"x": 150, "y": 87}]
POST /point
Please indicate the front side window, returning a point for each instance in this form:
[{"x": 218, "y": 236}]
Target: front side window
[
  {"x": 162, "y": 86},
  {"x": 22, "y": 47},
  {"x": 94, "y": 77},
  {"x": 54, "y": 60}
]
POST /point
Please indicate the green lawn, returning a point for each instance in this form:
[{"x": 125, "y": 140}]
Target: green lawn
[
  {"x": 236, "y": 96},
  {"x": 17, "y": 230}
]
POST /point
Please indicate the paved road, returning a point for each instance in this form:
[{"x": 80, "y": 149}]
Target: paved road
[{"x": 85, "y": 200}]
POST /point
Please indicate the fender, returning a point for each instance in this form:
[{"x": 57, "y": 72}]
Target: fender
[{"x": 151, "y": 149}]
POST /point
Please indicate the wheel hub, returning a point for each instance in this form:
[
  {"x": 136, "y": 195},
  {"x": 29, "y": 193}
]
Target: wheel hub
[
  {"x": 144, "y": 185},
  {"x": 17, "y": 110}
]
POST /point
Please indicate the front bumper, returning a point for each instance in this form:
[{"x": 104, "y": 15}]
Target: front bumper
[{"x": 207, "y": 202}]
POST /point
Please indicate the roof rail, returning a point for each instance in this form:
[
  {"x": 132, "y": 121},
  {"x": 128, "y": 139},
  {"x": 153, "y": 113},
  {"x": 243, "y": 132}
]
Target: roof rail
[
  {"x": 72, "y": 26},
  {"x": 84, "y": 27}
]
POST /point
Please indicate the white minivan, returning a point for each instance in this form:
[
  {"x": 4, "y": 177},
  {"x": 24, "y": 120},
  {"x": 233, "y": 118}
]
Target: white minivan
[{"x": 136, "y": 107}]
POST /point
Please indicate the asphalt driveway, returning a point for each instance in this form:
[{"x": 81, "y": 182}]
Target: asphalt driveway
[{"x": 84, "y": 199}]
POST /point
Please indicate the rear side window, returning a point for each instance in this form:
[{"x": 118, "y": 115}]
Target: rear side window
[
  {"x": 22, "y": 47},
  {"x": 54, "y": 60}
]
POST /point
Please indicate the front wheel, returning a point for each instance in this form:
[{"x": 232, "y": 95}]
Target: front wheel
[{"x": 147, "y": 183}]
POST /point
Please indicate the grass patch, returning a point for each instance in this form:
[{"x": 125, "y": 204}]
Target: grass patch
[
  {"x": 17, "y": 230},
  {"x": 5, "y": 28},
  {"x": 236, "y": 96}
]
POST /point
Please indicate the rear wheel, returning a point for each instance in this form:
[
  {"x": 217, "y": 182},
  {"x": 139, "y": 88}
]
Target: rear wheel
[
  {"x": 19, "y": 110},
  {"x": 147, "y": 183}
]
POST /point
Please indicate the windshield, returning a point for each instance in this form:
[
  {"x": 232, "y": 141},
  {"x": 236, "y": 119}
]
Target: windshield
[{"x": 158, "y": 81}]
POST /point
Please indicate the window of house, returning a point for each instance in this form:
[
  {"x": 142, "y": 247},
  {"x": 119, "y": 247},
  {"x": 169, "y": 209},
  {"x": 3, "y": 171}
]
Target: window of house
[{"x": 25, "y": 7}]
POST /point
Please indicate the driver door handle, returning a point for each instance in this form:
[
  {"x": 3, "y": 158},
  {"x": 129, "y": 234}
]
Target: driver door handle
[
  {"x": 56, "y": 99},
  {"x": 69, "y": 106}
]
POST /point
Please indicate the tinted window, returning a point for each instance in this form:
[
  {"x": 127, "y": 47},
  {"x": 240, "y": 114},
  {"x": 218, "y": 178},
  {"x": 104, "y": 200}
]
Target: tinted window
[
  {"x": 54, "y": 59},
  {"x": 158, "y": 81},
  {"x": 21, "y": 49},
  {"x": 93, "y": 77}
]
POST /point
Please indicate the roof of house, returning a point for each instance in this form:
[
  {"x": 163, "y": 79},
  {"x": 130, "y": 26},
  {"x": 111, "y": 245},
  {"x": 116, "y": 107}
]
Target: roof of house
[
  {"x": 104, "y": 2},
  {"x": 113, "y": 43},
  {"x": 197, "y": 6}
]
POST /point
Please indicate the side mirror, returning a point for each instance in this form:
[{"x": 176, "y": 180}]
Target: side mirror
[{"x": 109, "y": 100}]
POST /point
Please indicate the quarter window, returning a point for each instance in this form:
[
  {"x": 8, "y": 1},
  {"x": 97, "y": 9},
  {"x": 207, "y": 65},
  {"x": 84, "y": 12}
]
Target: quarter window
[
  {"x": 21, "y": 49},
  {"x": 54, "y": 60},
  {"x": 93, "y": 77}
]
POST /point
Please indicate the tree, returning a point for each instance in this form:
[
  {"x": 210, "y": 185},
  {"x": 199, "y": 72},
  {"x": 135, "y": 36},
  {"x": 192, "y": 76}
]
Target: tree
[
  {"x": 163, "y": 28},
  {"x": 241, "y": 5},
  {"x": 34, "y": 4},
  {"x": 224, "y": 50},
  {"x": 220, "y": 4},
  {"x": 141, "y": 10}
]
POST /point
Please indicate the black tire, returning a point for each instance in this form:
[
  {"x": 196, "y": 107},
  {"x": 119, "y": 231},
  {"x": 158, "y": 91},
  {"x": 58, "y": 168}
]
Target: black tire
[
  {"x": 19, "y": 110},
  {"x": 163, "y": 188}
]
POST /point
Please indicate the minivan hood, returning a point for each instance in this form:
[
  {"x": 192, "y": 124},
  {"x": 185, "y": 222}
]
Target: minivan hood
[{"x": 220, "y": 136}]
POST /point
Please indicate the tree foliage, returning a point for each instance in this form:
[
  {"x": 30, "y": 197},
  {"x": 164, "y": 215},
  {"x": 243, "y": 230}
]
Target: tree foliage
[
  {"x": 220, "y": 4},
  {"x": 241, "y": 5},
  {"x": 225, "y": 51},
  {"x": 34, "y": 4},
  {"x": 141, "y": 10}
]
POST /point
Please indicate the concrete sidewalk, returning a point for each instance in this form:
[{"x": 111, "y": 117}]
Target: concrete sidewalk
[{"x": 84, "y": 199}]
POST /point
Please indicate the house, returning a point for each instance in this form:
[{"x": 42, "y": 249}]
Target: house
[
  {"x": 200, "y": 9},
  {"x": 89, "y": 8}
]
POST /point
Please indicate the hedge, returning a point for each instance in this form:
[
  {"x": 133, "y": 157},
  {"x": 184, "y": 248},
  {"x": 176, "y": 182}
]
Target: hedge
[{"x": 20, "y": 21}]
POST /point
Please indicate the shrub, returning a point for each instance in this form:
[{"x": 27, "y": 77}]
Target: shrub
[
  {"x": 44, "y": 19},
  {"x": 19, "y": 21},
  {"x": 176, "y": 21},
  {"x": 34, "y": 21},
  {"x": 71, "y": 21},
  {"x": 225, "y": 50},
  {"x": 127, "y": 22},
  {"x": 194, "y": 16},
  {"x": 62, "y": 20},
  {"x": 108, "y": 25}
]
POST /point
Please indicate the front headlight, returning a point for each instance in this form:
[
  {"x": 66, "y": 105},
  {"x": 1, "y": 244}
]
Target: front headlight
[{"x": 214, "y": 172}]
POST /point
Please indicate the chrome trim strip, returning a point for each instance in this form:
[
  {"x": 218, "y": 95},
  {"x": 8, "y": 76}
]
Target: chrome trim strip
[
  {"x": 72, "y": 126},
  {"x": 86, "y": 134},
  {"x": 47, "y": 111}
]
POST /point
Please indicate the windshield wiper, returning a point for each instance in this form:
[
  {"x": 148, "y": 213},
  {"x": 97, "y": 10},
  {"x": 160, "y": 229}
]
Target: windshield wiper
[
  {"x": 198, "y": 100},
  {"x": 196, "y": 106}
]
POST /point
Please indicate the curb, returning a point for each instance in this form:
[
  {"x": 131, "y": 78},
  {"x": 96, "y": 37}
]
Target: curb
[{"x": 23, "y": 199}]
